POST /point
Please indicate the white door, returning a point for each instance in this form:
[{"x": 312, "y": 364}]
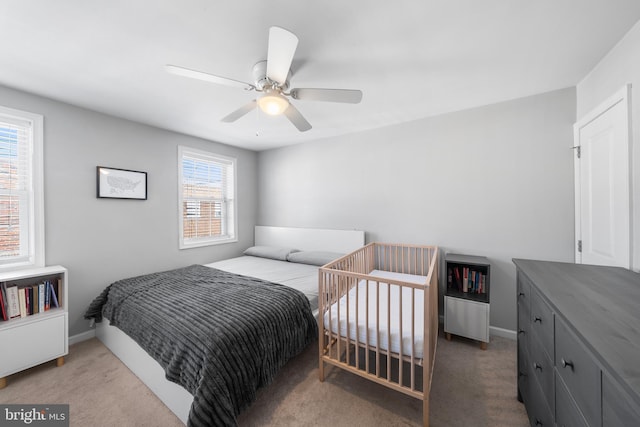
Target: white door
[{"x": 602, "y": 180}]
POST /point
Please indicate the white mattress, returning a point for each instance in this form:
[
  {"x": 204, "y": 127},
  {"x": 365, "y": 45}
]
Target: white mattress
[
  {"x": 382, "y": 341},
  {"x": 303, "y": 277}
]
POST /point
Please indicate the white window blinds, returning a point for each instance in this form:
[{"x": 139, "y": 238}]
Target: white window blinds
[
  {"x": 21, "y": 241},
  {"x": 207, "y": 198}
]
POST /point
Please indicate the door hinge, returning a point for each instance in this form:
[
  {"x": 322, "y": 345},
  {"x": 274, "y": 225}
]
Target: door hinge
[
  {"x": 579, "y": 245},
  {"x": 578, "y": 150}
]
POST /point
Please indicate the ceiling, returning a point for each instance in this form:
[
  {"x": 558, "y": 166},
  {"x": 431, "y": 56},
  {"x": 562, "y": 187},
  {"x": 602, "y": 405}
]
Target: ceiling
[{"x": 411, "y": 59}]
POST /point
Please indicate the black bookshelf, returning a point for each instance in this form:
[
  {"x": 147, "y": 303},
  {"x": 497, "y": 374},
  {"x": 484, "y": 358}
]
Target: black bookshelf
[{"x": 468, "y": 277}]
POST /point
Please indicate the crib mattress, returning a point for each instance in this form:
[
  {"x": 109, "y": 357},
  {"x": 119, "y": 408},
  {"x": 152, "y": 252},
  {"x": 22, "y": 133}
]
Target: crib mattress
[{"x": 378, "y": 290}]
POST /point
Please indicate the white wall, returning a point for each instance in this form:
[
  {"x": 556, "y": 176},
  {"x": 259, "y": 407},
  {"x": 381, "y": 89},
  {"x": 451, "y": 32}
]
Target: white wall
[
  {"x": 619, "y": 67},
  {"x": 494, "y": 181},
  {"x": 103, "y": 240}
]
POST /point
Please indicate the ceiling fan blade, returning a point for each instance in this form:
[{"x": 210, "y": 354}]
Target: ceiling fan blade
[
  {"x": 348, "y": 96},
  {"x": 296, "y": 118},
  {"x": 282, "y": 47},
  {"x": 239, "y": 112},
  {"x": 186, "y": 72}
]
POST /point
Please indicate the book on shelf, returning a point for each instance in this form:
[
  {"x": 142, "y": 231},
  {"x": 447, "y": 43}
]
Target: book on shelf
[
  {"x": 35, "y": 300},
  {"x": 47, "y": 296},
  {"x": 3, "y": 311},
  {"x": 13, "y": 300},
  {"x": 54, "y": 298},
  {"x": 28, "y": 294},
  {"x": 41, "y": 297},
  {"x": 465, "y": 279},
  {"x": 22, "y": 300},
  {"x": 3, "y": 292},
  {"x": 458, "y": 280}
]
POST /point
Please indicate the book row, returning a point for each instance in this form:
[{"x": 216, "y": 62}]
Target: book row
[
  {"x": 22, "y": 301},
  {"x": 467, "y": 280}
]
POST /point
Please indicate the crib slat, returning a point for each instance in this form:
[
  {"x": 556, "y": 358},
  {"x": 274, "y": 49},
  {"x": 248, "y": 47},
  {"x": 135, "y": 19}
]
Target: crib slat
[
  {"x": 357, "y": 325},
  {"x": 413, "y": 338},
  {"x": 388, "y": 332},
  {"x": 321, "y": 339},
  {"x": 401, "y": 359},
  {"x": 338, "y": 318},
  {"x": 378, "y": 329},
  {"x": 366, "y": 357},
  {"x": 347, "y": 320}
]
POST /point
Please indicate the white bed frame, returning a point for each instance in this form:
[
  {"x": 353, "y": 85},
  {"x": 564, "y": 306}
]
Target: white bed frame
[{"x": 176, "y": 398}]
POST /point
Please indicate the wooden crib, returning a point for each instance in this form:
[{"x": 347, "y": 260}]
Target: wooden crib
[{"x": 378, "y": 316}]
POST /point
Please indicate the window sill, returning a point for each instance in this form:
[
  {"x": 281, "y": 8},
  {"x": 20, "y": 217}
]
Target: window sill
[{"x": 202, "y": 243}]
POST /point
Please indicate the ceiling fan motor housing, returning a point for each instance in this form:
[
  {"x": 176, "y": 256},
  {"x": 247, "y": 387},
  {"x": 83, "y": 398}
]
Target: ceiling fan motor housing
[{"x": 261, "y": 80}]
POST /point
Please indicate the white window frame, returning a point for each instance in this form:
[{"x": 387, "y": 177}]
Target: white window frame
[
  {"x": 35, "y": 255},
  {"x": 232, "y": 220}
]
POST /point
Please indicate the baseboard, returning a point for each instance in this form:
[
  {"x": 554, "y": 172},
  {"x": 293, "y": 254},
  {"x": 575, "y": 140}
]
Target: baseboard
[
  {"x": 504, "y": 333},
  {"x": 494, "y": 330},
  {"x": 83, "y": 336}
]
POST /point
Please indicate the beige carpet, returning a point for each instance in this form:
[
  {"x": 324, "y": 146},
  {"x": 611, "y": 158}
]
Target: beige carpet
[{"x": 470, "y": 387}]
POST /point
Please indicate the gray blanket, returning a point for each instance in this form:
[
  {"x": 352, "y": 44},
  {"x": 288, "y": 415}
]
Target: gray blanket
[{"x": 219, "y": 335}]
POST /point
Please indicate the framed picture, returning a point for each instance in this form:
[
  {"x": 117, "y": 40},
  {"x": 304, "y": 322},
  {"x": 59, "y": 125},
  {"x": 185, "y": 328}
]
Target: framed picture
[{"x": 121, "y": 184}]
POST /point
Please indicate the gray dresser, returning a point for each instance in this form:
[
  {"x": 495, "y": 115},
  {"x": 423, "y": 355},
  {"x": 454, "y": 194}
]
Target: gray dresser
[{"x": 578, "y": 344}]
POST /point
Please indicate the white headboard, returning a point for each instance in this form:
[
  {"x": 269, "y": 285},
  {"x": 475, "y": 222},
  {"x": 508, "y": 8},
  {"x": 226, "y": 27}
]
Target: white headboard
[{"x": 308, "y": 239}]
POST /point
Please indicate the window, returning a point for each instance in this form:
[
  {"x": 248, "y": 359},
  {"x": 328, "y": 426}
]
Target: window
[
  {"x": 207, "y": 198},
  {"x": 21, "y": 189}
]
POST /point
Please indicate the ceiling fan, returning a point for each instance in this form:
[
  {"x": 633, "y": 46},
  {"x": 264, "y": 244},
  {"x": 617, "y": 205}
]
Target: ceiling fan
[{"x": 271, "y": 79}]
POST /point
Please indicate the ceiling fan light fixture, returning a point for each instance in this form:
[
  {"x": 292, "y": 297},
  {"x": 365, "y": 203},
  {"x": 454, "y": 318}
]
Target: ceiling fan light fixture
[{"x": 273, "y": 103}]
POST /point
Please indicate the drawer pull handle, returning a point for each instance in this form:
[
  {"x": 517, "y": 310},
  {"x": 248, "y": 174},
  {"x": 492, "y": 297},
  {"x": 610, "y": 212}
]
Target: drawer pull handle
[
  {"x": 521, "y": 294},
  {"x": 537, "y": 319},
  {"x": 536, "y": 366},
  {"x": 522, "y": 374},
  {"x": 521, "y": 331},
  {"x": 565, "y": 364},
  {"x": 538, "y": 422}
]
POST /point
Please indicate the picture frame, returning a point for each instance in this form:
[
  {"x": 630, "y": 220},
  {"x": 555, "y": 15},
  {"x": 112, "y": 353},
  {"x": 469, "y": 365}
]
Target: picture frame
[{"x": 114, "y": 183}]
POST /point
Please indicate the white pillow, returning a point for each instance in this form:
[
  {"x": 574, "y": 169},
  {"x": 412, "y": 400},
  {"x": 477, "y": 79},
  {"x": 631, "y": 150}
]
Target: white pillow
[
  {"x": 313, "y": 257},
  {"x": 272, "y": 252}
]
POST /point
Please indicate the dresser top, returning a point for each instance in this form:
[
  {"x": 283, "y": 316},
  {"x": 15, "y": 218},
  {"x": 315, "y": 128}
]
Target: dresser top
[{"x": 602, "y": 305}]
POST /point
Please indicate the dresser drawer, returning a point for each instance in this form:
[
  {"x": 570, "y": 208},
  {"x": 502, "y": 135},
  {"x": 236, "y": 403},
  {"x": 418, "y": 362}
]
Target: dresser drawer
[
  {"x": 524, "y": 327},
  {"x": 579, "y": 372},
  {"x": 524, "y": 292},
  {"x": 541, "y": 369},
  {"x": 540, "y": 415},
  {"x": 523, "y": 376},
  {"x": 567, "y": 413},
  {"x": 618, "y": 410},
  {"x": 542, "y": 322}
]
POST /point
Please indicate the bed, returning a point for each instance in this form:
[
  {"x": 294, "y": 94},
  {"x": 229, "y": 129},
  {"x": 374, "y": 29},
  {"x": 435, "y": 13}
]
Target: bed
[
  {"x": 378, "y": 316},
  {"x": 267, "y": 261}
]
